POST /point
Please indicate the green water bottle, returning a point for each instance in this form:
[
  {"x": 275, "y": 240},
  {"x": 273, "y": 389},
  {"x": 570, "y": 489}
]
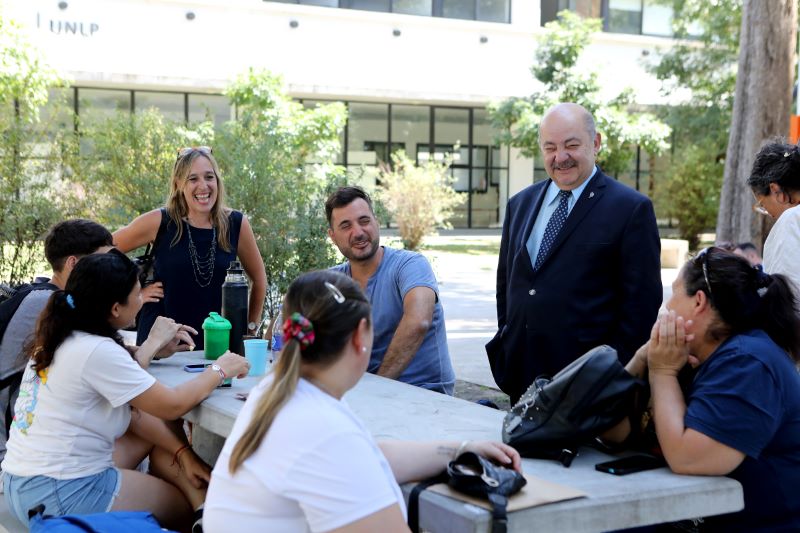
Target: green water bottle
[{"x": 216, "y": 333}]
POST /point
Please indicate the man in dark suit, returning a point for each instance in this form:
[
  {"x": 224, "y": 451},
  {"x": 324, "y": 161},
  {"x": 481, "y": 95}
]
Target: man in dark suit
[{"x": 579, "y": 261}]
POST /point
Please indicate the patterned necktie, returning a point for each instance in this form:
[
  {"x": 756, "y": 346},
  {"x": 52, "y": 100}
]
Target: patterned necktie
[{"x": 553, "y": 227}]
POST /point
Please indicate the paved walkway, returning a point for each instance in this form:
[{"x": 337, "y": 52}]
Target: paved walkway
[{"x": 467, "y": 287}]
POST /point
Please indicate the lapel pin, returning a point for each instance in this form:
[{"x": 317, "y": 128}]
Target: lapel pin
[{"x": 591, "y": 194}]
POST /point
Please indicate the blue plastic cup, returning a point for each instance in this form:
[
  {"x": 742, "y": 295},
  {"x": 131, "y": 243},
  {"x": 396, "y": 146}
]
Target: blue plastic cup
[{"x": 255, "y": 351}]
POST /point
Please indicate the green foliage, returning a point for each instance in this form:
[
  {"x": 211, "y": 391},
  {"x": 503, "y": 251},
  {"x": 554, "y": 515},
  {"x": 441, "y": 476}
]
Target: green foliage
[
  {"x": 420, "y": 198},
  {"x": 129, "y": 162},
  {"x": 34, "y": 190},
  {"x": 705, "y": 67},
  {"x": 693, "y": 187},
  {"x": 277, "y": 160},
  {"x": 555, "y": 66}
]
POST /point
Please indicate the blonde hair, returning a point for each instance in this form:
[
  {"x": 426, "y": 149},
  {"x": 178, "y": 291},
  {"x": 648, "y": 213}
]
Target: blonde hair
[
  {"x": 176, "y": 202},
  {"x": 335, "y": 305}
]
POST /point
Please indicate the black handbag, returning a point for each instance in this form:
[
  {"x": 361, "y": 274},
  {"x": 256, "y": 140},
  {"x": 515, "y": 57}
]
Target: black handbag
[
  {"x": 146, "y": 260},
  {"x": 556, "y": 416},
  {"x": 474, "y": 475}
]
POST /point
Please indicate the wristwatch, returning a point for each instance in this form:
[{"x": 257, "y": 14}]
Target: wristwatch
[
  {"x": 251, "y": 326},
  {"x": 218, "y": 369}
]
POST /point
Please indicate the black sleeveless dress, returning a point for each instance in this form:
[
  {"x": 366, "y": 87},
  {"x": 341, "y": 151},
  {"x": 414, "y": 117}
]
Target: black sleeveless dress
[{"x": 186, "y": 300}]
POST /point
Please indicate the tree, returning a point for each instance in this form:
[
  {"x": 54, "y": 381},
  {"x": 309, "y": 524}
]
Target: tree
[
  {"x": 129, "y": 162},
  {"x": 419, "y": 198},
  {"x": 761, "y": 109},
  {"x": 555, "y": 66},
  {"x": 34, "y": 192},
  {"x": 278, "y": 163},
  {"x": 702, "y": 61}
]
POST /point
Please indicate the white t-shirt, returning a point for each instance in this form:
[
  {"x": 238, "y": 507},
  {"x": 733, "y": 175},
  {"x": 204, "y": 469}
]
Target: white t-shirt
[
  {"x": 782, "y": 247},
  {"x": 67, "y": 417},
  {"x": 317, "y": 469}
]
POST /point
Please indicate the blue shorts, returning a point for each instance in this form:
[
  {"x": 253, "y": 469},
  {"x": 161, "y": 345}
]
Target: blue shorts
[{"x": 83, "y": 495}]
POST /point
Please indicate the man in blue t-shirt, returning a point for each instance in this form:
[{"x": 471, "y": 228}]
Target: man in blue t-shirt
[{"x": 410, "y": 342}]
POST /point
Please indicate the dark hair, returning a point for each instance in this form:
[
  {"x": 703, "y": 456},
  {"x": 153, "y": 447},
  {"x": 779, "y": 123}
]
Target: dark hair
[
  {"x": 97, "y": 282},
  {"x": 76, "y": 237},
  {"x": 335, "y": 305},
  {"x": 777, "y": 162},
  {"x": 745, "y": 298},
  {"x": 342, "y": 197},
  {"x": 746, "y": 246}
]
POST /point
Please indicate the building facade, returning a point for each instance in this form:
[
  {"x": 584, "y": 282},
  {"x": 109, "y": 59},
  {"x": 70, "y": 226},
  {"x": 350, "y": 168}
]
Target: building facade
[{"x": 415, "y": 74}]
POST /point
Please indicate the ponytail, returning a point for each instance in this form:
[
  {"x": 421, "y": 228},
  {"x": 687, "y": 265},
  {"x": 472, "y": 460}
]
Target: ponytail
[
  {"x": 778, "y": 314},
  {"x": 745, "y": 298},
  {"x": 324, "y": 308},
  {"x": 286, "y": 376},
  {"x": 53, "y": 326}
]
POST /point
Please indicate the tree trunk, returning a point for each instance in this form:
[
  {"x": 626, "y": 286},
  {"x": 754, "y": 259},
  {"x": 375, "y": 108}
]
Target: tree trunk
[{"x": 761, "y": 109}]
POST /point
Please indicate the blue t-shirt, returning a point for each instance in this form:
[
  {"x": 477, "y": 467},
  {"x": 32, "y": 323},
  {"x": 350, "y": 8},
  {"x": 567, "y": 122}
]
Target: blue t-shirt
[
  {"x": 747, "y": 396},
  {"x": 399, "y": 272}
]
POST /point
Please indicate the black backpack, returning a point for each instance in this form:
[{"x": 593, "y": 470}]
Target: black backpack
[
  {"x": 556, "y": 416},
  {"x": 11, "y": 298}
]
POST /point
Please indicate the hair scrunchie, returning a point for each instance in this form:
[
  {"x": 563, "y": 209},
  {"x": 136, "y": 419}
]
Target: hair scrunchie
[
  {"x": 69, "y": 300},
  {"x": 763, "y": 280},
  {"x": 299, "y": 328}
]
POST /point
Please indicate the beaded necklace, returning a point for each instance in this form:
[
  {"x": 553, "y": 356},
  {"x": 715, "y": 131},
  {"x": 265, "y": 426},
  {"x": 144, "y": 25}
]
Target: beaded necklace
[{"x": 203, "y": 267}]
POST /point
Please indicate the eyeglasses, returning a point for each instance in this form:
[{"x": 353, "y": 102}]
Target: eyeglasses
[
  {"x": 703, "y": 256},
  {"x": 758, "y": 208},
  {"x": 183, "y": 152}
]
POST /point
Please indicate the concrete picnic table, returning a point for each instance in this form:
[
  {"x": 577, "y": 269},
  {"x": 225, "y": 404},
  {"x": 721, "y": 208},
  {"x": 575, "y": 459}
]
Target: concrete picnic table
[{"x": 394, "y": 410}]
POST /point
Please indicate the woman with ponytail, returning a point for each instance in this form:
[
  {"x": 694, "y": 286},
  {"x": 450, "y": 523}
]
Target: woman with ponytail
[
  {"x": 740, "y": 417},
  {"x": 775, "y": 182},
  {"x": 297, "y": 458},
  {"x": 75, "y": 440}
]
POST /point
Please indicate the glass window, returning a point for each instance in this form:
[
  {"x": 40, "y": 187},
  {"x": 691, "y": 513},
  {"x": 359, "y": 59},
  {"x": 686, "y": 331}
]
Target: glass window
[
  {"x": 625, "y": 16},
  {"x": 411, "y": 128},
  {"x": 493, "y": 10},
  {"x": 367, "y": 126},
  {"x": 656, "y": 18},
  {"x": 586, "y": 8},
  {"x": 451, "y": 135},
  {"x": 171, "y": 105},
  {"x": 98, "y": 104},
  {"x": 213, "y": 107},
  {"x": 413, "y": 7},
  {"x": 57, "y": 113},
  {"x": 323, "y": 3},
  {"x": 367, "y": 5},
  {"x": 458, "y": 9}
]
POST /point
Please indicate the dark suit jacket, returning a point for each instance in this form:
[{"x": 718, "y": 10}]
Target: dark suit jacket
[{"x": 600, "y": 284}]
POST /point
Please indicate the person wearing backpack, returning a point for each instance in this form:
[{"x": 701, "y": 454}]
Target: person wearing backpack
[
  {"x": 65, "y": 243},
  {"x": 88, "y": 412}
]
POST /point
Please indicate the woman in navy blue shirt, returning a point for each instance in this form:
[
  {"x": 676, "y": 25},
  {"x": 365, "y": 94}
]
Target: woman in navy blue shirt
[{"x": 739, "y": 328}]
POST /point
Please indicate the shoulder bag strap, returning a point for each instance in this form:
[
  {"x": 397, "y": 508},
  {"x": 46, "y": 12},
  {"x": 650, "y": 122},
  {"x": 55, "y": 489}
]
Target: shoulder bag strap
[
  {"x": 413, "y": 499},
  {"x": 499, "y": 516}
]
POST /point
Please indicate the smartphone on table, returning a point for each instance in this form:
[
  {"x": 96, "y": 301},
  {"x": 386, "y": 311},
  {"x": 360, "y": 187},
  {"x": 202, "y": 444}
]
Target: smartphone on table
[
  {"x": 631, "y": 464},
  {"x": 199, "y": 367}
]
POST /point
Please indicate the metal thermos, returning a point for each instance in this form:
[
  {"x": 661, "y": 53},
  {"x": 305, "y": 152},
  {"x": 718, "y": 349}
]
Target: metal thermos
[{"x": 234, "y": 305}]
